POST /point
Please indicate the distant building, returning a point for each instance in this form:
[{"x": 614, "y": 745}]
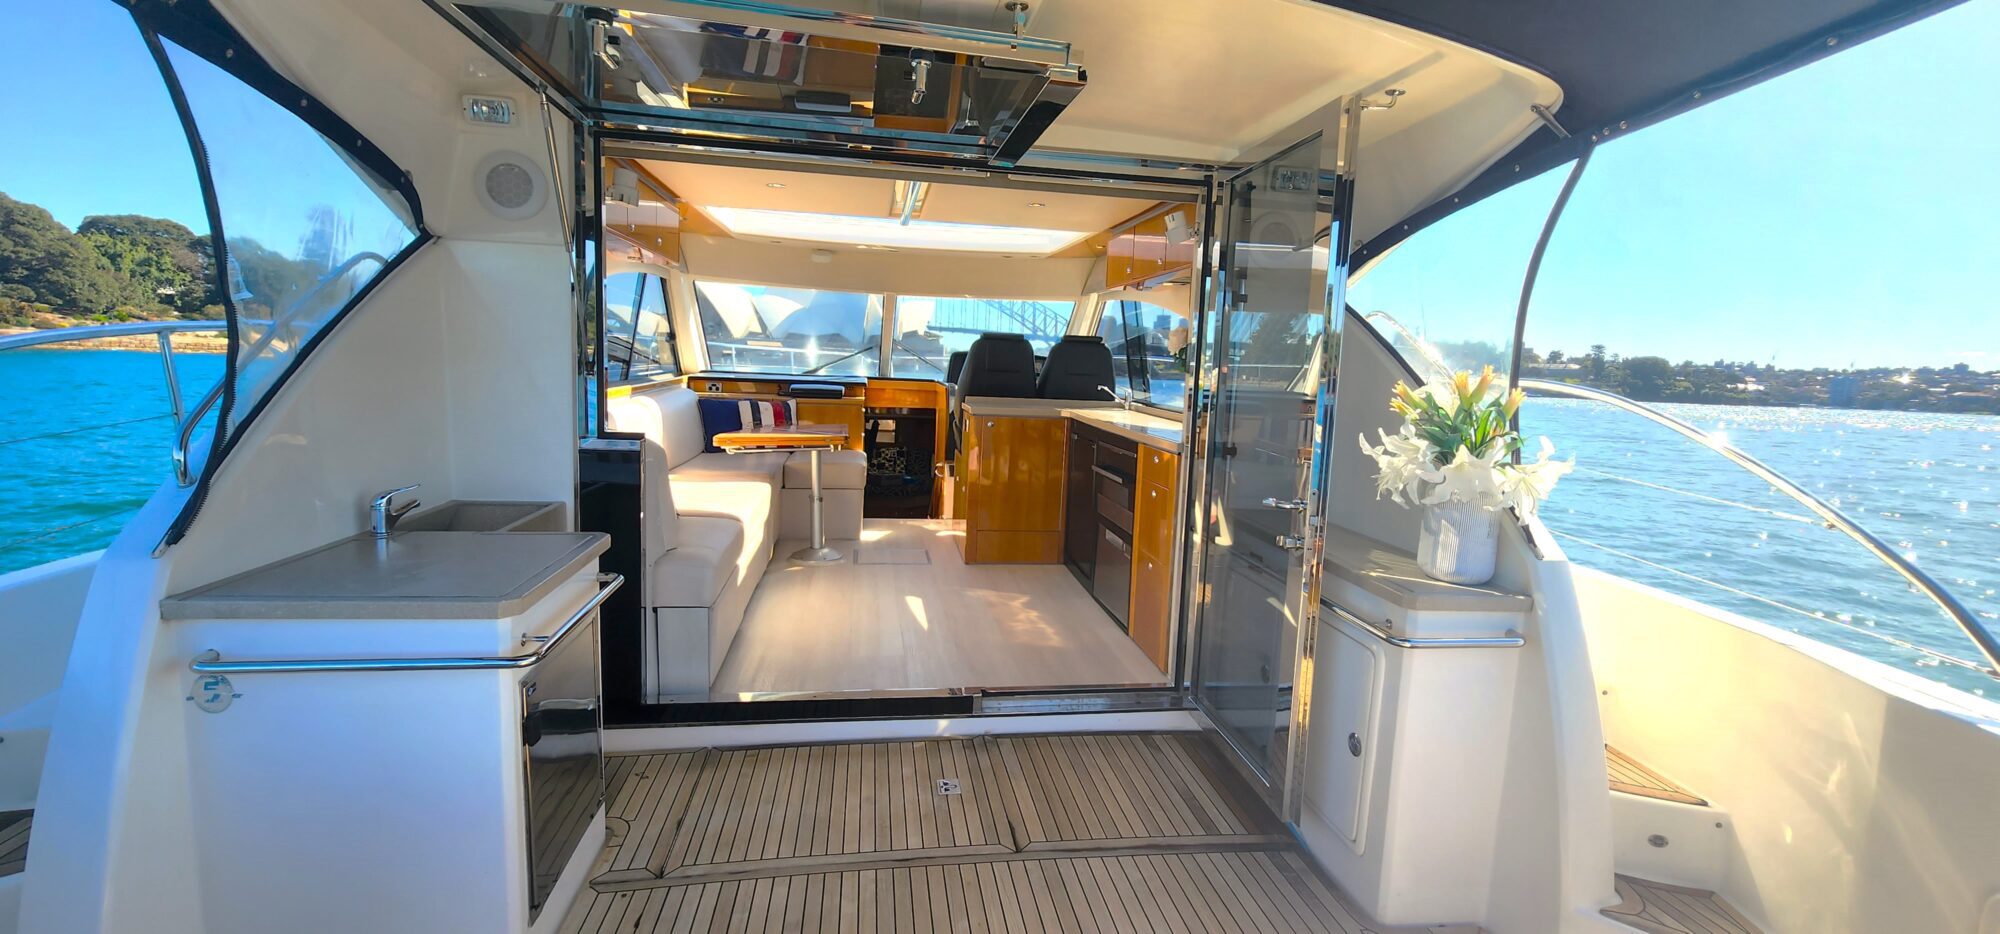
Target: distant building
[{"x": 1841, "y": 391}]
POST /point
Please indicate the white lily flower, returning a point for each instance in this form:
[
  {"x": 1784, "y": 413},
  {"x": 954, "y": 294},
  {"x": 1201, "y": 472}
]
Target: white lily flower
[
  {"x": 1526, "y": 485},
  {"x": 1400, "y": 460},
  {"x": 1460, "y": 410},
  {"x": 1469, "y": 478}
]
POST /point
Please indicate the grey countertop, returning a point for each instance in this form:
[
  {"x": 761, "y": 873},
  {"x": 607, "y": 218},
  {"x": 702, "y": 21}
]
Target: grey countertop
[
  {"x": 1393, "y": 575},
  {"x": 412, "y": 575},
  {"x": 1143, "y": 427}
]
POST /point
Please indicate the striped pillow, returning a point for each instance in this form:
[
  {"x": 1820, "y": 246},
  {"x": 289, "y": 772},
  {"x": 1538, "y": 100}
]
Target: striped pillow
[{"x": 720, "y": 415}]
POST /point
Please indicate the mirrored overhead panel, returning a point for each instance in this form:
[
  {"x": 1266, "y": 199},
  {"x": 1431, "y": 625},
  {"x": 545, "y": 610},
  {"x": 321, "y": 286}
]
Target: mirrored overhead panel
[{"x": 748, "y": 69}]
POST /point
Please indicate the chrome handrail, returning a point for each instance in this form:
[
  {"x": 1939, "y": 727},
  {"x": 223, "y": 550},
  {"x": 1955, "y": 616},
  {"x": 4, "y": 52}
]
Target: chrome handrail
[
  {"x": 1512, "y": 640},
  {"x": 93, "y": 332},
  {"x": 1988, "y": 643},
  {"x": 164, "y": 330},
  {"x": 210, "y": 661}
]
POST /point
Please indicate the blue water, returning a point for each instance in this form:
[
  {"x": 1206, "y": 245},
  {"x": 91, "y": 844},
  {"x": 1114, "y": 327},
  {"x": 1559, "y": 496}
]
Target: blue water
[
  {"x": 70, "y": 493},
  {"x": 1928, "y": 484},
  {"x": 1643, "y": 503}
]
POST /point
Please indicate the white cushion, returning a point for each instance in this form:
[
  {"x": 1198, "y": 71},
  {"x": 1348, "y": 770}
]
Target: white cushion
[
  {"x": 680, "y": 418},
  {"x": 641, "y": 414},
  {"x": 743, "y": 487},
  {"x": 696, "y": 573},
  {"x": 840, "y": 514},
  {"x": 838, "y": 470}
]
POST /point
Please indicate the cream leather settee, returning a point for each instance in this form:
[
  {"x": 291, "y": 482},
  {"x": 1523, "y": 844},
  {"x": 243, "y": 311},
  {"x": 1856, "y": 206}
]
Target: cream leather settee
[{"x": 712, "y": 522}]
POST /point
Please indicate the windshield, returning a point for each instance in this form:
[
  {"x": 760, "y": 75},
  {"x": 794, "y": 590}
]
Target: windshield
[
  {"x": 930, "y": 329},
  {"x": 1149, "y": 347},
  {"x": 768, "y": 329}
]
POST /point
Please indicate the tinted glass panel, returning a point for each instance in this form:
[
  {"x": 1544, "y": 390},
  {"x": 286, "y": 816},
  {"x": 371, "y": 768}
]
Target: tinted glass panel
[
  {"x": 638, "y": 338},
  {"x": 305, "y": 227},
  {"x": 1149, "y": 347},
  {"x": 765, "y": 329},
  {"x": 930, "y": 330}
]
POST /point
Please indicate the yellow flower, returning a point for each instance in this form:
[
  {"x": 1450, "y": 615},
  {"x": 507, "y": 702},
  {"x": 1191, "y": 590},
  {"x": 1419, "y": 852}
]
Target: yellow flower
[
  {"x": 1513, "y": 403},
  {"x": 1479, "y": 390}
]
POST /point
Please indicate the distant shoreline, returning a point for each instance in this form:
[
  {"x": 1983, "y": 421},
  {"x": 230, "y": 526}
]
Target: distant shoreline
[{"x": 197, "y": 343}]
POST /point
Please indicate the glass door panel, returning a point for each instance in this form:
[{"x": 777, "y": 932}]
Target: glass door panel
[{"x": 1266, "y": 344}]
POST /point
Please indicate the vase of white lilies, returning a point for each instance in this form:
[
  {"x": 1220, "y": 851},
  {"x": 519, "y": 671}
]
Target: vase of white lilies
[{"x": 1454, "y": 458}]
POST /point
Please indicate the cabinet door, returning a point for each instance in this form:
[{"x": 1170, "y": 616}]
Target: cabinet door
[
  {"x": 1015, "y": 469},
  {"x": 1343, "y": 739},
  {"x": 1152, "y": 601}
]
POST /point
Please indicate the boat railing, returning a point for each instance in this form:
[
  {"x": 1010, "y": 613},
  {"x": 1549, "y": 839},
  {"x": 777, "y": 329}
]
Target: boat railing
[
  {"x": 1830, "y": 517},
  {"x": 164, "y": 331}
]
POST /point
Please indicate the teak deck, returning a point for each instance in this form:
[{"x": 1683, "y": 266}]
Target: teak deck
[
  {"x": 1098, "y": 832},
  {"x": 14, "y": 828},
  {"x": 1633, "y": 778},
  {"x": 1659, "y": 908}
]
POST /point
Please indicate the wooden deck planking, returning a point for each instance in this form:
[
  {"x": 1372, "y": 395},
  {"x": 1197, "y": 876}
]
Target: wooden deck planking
[
  {"x": 1186, "y": 892},
  {"x": 1632, "y": 777},
  {"x": 1659, "y": 908},
  {"x": 1096, "y": 833},
  {"x": 14, "y": 829}
]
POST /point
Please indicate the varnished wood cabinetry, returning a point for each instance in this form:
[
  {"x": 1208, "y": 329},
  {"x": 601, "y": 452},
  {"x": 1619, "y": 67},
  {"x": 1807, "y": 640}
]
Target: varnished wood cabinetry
[
  {"x": 1145, "y": 250},
  {"x": 1153, "y": 553},
  {"x": 1010, "y": 489}
]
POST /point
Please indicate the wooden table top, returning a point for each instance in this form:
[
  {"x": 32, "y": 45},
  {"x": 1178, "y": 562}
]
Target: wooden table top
[{"x": 794, "y": 436}]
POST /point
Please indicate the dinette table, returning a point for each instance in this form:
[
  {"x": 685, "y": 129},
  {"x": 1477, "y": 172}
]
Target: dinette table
[{"x": 812, "y": 439}]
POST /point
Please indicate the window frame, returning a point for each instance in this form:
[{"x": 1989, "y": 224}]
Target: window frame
[
  {"x": 199, "y": 31},
  {"x": 1101, "y": 301}
]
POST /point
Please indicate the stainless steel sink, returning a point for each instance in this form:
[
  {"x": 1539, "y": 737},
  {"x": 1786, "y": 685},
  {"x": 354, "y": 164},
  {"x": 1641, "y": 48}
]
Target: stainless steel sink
[{"x": 486, "y": 516}]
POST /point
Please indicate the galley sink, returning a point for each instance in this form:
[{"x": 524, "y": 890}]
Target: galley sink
[{"x": 464, "y": 515}]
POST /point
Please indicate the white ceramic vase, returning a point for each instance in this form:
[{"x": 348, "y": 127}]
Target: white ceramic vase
[{"x": 1459, "y": 542}]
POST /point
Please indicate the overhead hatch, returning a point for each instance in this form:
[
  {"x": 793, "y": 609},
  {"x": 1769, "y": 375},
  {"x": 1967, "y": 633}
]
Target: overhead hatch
[{"x": 737, "y": 69}]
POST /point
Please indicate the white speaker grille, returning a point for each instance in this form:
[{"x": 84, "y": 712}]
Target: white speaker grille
[{"x": 510, "y": 185}]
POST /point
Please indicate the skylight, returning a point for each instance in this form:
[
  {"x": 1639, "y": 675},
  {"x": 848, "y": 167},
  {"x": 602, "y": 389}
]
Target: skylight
[{"x": 891, "y": 232}]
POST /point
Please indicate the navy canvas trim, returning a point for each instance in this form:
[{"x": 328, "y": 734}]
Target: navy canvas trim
[{"x": 196, "y": 26}]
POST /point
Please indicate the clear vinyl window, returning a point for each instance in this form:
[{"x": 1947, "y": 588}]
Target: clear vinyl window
[{"x": 305, "y": 227}]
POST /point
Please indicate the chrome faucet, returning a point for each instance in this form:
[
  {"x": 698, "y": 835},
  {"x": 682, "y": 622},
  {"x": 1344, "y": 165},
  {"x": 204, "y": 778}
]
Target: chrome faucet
[
  {"x": 382, "y": 518},
  {"x": 1124, "y": 399}
]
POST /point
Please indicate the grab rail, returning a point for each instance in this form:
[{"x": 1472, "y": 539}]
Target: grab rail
[
  {"x": 1988, "y": 643},
  {"x": 1512, "y": 640},
  {"x": 210, "y": 661}
]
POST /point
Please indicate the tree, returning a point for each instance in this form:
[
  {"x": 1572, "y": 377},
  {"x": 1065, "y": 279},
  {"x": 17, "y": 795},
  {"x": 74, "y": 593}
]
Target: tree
[
  {"x": 1555, "y": 357},
  {"x": 41, "y": 255},
  {"x": 156, "y": 254},
  {"x": 1648, "y": 377},
  {"x": 1594, "y": 361}
]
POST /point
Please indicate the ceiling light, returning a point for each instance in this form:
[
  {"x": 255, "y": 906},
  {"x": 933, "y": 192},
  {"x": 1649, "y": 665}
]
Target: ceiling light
[
  {"x": 892, "y": 232},
  {"x": 1037, "y": 204},
  {"x": 774, "y": 184}
]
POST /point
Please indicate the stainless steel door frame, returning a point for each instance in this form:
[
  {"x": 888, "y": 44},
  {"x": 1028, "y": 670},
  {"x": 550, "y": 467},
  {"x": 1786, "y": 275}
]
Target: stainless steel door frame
[{"x": 1333, "y": 133}]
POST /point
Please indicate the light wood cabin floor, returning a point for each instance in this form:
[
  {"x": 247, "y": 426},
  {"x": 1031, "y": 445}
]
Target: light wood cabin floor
[
  {"x": 857, "y": 626},
  {"x": 1093, "y": 832}
]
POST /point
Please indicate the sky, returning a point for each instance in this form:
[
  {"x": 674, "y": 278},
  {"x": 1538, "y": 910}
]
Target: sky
[{"x": 1844, "y": 214}]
